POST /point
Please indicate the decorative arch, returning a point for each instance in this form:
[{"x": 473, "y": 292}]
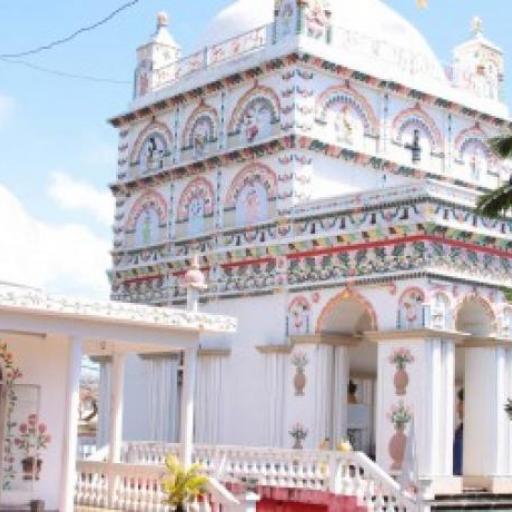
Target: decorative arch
[
  {"x": 154, "y": 128},
  {"x": 265, "y": 96},
  {"x": 419, "y": 119},
  {"x": 469, "y": 138},
  {"x": 348, "y": 97},
  {"x": 198, "y": 188},
  {"x": 203, "y": 122},
  {"x": 410, "y": 308},
  {"x": 299, "y": 312},
  {"x": 148, "y": 200},
  {"x": 254, "y": 172},
  {"x": 482, "y": 301},
  {"x": 345, "y": 296}
]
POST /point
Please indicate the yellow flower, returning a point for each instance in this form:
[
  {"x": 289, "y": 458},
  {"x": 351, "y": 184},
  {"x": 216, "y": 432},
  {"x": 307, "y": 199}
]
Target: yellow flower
[{"x": 344, "y": 446}]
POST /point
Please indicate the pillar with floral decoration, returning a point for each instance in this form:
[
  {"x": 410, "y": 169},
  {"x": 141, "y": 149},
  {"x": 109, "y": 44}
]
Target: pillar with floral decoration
[{"x": 415, "y": 426}]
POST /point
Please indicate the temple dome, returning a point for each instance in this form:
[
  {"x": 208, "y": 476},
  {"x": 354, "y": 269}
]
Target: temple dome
[{"x": 370, "y": 17}]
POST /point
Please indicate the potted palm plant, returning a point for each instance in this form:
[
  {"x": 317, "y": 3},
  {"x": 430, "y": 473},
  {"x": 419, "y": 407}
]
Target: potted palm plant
[{"x": 182, "y": 486}]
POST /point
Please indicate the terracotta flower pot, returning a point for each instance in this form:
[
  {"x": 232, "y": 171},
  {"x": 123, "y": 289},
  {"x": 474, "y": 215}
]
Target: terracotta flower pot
[
  {"x": 299, "y": 382},
  {"x": 396, "y": 447},
  {"x": 31, "y": 468},
  {"x": 401, "y": 381}
]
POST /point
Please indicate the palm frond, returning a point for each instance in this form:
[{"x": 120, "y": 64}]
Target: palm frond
[
  {"x": 495, "y": 203},
  {"x": 502, "y": 146}
]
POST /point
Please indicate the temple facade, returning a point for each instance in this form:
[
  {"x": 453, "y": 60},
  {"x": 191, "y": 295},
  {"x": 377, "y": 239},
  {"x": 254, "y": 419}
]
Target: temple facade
[{"x": 322, "y": 167}]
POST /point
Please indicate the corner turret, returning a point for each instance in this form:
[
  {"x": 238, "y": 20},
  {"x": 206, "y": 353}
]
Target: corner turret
[
  {"x": 479, "y": 65},
  {"x": 160, "y": 52}
]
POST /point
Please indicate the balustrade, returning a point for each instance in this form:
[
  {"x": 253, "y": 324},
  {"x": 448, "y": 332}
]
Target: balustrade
[{"x": 136, "y": 479}]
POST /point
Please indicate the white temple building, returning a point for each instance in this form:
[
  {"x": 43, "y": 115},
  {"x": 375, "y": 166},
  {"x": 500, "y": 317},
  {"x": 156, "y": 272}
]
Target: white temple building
[{"x": 323, "y": 165}]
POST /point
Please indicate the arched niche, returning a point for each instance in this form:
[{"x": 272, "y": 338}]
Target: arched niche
[
  {"x": 255, "y": 115},
  {"x": 474, "y": 315},
  {"x": 348, "y": 313},
  {"x": 195, "y": 207}
]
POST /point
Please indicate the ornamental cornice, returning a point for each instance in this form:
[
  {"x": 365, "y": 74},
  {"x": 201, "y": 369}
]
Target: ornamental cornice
[
  {"x": 14, "y": 298},
  {"x": 320, "y": 64}
]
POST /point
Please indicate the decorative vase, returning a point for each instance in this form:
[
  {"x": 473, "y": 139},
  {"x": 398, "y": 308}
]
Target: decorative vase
[
  {"x": 31, "y": 468},
  {"x": 299, "y": 381},
  {"x": 397, "y": 446},
  {"x": 401, "y": 381}
]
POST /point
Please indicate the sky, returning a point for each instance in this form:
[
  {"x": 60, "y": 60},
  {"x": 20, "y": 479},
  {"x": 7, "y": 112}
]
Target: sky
[{"x": 58, "y": 151}]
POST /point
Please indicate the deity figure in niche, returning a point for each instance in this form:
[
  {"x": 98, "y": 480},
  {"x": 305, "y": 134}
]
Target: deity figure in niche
[
  {"x": 411, "y": 310},
  {"x": 196, "y": 215},
  {"x": 251, "y": 204},
  {"x": 415, "y": 140},
  {"x": 146, "y": 230},
  {"x": 257, "y": 120},
  {"x": 200, "y": 138},
  {"x": 476, "y": 160},
  {"x": 298, "y": 318},
  {"x": 152, "y": 150},
  {"x": 315, "y": 19},
  {"x": 343, "y": 125}
]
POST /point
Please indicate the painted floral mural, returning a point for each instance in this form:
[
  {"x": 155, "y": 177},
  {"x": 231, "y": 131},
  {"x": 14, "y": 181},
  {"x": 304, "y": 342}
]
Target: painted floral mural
[
  {"x": 32, "y": 438},
  {"x": 400, "y": 416},
  {"x": 401, "y": 357},
  {"x": 11, "y": 374}
]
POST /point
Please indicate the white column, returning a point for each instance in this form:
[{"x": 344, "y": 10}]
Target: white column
[
  {"x": 70, "y": 441},
  {"x": 116, "y": 423},
  {"x": 116, "y": 409},
  {"x": 339, "y": 393},
  {"x": 187, "y": 405},
  {"x": 486, "y": 425}
]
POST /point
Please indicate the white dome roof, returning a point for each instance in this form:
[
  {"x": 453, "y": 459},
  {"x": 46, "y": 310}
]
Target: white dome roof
[{"x": 369, "y": 17}]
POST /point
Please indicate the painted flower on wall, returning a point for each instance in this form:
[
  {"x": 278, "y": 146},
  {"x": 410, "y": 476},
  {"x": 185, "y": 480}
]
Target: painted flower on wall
[
  {"x": 300, "y": 360},
  {"x": 299, "y": 433},
  {"x": 401, "y": 357},
  {"x": 32, "y": 438},
  {"x": 11, "y": 375},
  {"x": 400, "y": 415}
]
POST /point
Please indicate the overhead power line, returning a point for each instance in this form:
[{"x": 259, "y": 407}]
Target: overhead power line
[
  {"x": 68, "y": 38},
  {"x": 65, "y": 74}
]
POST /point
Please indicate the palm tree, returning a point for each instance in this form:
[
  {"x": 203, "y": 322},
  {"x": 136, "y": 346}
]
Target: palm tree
[
  {"x": 181, "y": 485},
  {"x": 497, "y": 202}
]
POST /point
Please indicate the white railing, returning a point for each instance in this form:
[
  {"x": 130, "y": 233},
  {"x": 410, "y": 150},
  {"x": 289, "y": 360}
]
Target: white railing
[
  {"x": 135, "y": 480},
  {"x": 351, "y": 44},
  {"x": 133, "y": 487},
  {"x": 212, "y": 56}
]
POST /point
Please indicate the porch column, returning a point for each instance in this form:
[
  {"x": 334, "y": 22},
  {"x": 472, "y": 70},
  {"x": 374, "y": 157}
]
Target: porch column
[
  {"x": 487, "y": 428},
  {"x": 415, "y": 405},
  {"x": 116, "y": 423},
  {"x": 116, "y": 409},
  {"x": 70, "y": 435},
  {"x": 187, "y": 405}
]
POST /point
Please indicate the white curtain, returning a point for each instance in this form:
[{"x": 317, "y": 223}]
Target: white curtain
[
  {"x": 209, "y": 399},
  {"x": 163, "y": 398},
  {"x": 323, "y": 395},
  {"x": 102, "y": 429},
  {"x": 275, "y": 370}
]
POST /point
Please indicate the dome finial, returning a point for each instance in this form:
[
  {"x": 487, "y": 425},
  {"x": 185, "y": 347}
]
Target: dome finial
[
  {"x": 162, "y": 20},
  {"x": 477, "y": 26}
]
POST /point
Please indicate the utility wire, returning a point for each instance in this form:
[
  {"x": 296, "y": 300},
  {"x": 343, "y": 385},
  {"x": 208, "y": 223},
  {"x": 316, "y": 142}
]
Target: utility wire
[
  {"x": 65, "y": 74},
  {"x": 66, "y": 39}
]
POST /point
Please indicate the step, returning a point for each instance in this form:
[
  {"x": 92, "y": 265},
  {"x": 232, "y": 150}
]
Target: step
[{"x": 473, "y": 500}]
